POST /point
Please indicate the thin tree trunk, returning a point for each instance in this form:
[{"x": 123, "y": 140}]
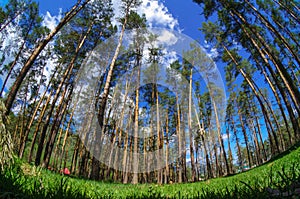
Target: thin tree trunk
[
  {"x": 39, "y": 123},
  {"x": 159, "y": 143},
  {"x": 55, "y": 158},
  {"x": 53, "y": 132},
  {"x": 229, "y": 152},
  {"x": 289, "y": 11},
  {"x": 257, "y": 148},
  {"x": 273, "y": 29},
  {"x": 22, "y": 118},
  {"x": 253, "y": 87},
  {"x": 249, "y": 157},
  {"x": 75, "y": 156},
  {"x": 136, "y": 128},
  {"x": 65, "y": 77},
  {"x": 260, "y": 137},
  {"x": 3, "y": 26},
  {"x": 167, "y": 170},
  {"x": 178, "y": 130},
  {"x": 278, "y": 101},
  {"x": 239, "y": 151},
  {"x": 201, "y": 133},
  {"x": 120, "y": 127},
  {"x": 287, "y": 80},
  {"x": 32, "y": 114},
  {"x": 125, "y": 162},
  {"x": 14, "y": 62},
  {"x": 193, "y": 177},
  {"x": 36, "y": 52},
  {"x": 67, "y": 133}
]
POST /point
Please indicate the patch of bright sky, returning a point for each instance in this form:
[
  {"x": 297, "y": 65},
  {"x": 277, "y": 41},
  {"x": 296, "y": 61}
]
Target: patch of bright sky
[{"x": 3, "y": 2}]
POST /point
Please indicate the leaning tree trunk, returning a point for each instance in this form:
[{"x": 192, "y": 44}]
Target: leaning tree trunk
[
  {"x": 65, "y": 78},
  {"x": 39, "y": 123},
  {"x": 36, "y": 52},
  {"x": 257, "y": 95},
  {"x": 54, "y": 130},
  {"x": 287, "y": 80},
  {"x": 33, "y": 115},
  {"x": 289, "y": 11},
  {"x": 275, "y": 31},
  {"x": 278, "y": 102}
]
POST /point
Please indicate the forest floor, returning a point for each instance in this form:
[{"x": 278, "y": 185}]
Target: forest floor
[{"x": 278, "y": 178}]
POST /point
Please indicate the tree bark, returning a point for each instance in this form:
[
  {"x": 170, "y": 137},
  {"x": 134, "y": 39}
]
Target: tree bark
[
  {"x": 38, "y": 49},
  {"x": 61, "y": 109},
  {"x": 193, "y": 177},
  {"x": 39, "y": 123}
]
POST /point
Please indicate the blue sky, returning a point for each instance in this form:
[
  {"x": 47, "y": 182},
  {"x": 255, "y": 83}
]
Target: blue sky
[
  {"x": 186, "y": 12},
  {"x": 3, "y": 2}
]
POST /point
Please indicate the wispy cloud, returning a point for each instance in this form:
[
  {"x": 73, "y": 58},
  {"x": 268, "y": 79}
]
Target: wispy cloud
[
  {"x": 213, "y": 53},
  {"x": 157, "y": 14},
  {"x": 225, "y": 136},
  {"x": 167, "y": 38},
  {"x": 52, "y": 21}
]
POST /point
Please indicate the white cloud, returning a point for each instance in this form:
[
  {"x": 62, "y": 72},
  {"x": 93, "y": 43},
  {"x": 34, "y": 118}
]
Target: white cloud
[
  {"x": 157, "y": 14},
  {"x": 206, "y": 45},
  {"x": 116, "y": 5},
  {"x": 225, "y": 136},
  {"x": 213, "y": 53},
  {"x": 167, "y": 38},
  {"x": 52, "y": 21}
]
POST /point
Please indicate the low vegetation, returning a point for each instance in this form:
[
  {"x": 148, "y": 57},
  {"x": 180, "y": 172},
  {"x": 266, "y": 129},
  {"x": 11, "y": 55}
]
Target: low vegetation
[{"x": 279, "y": 178}]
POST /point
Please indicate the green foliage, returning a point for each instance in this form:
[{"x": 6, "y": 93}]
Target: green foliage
[{"x": 276, "y": 179}]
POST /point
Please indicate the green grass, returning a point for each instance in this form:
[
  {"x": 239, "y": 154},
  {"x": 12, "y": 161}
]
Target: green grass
[{"x": 24, "y": 181}]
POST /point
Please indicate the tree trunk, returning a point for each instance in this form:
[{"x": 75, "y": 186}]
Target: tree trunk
[
  {"x": 125, "y": 162},
  {"x": 253, "y": 87},
  {"x": 273, "y": 29},
  {"x": 167, "y": 170},
  {"x": 179, "y": 135},
  {"x": 289, "y": 11},
  {"x": 14, "y": 62},
  {"x": 136, "y": 127},
  {"x": 249, "y": 157},
  {"x": 201, "y": 133},
  {"x": 40, "y": 121},
  {"x": 287, "y": 80},
  {"x": 38, "y": 49},
  {"x": 278, "y": 101},
  {"x": 75, "y": 156},
  {"x": 193, "y": 177},
  {"x": 229, "y": 152},
  {"x": 61, "y": 109},
  {"x": 67, "y": 135},
  {"x": 33, "y": 115}
]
